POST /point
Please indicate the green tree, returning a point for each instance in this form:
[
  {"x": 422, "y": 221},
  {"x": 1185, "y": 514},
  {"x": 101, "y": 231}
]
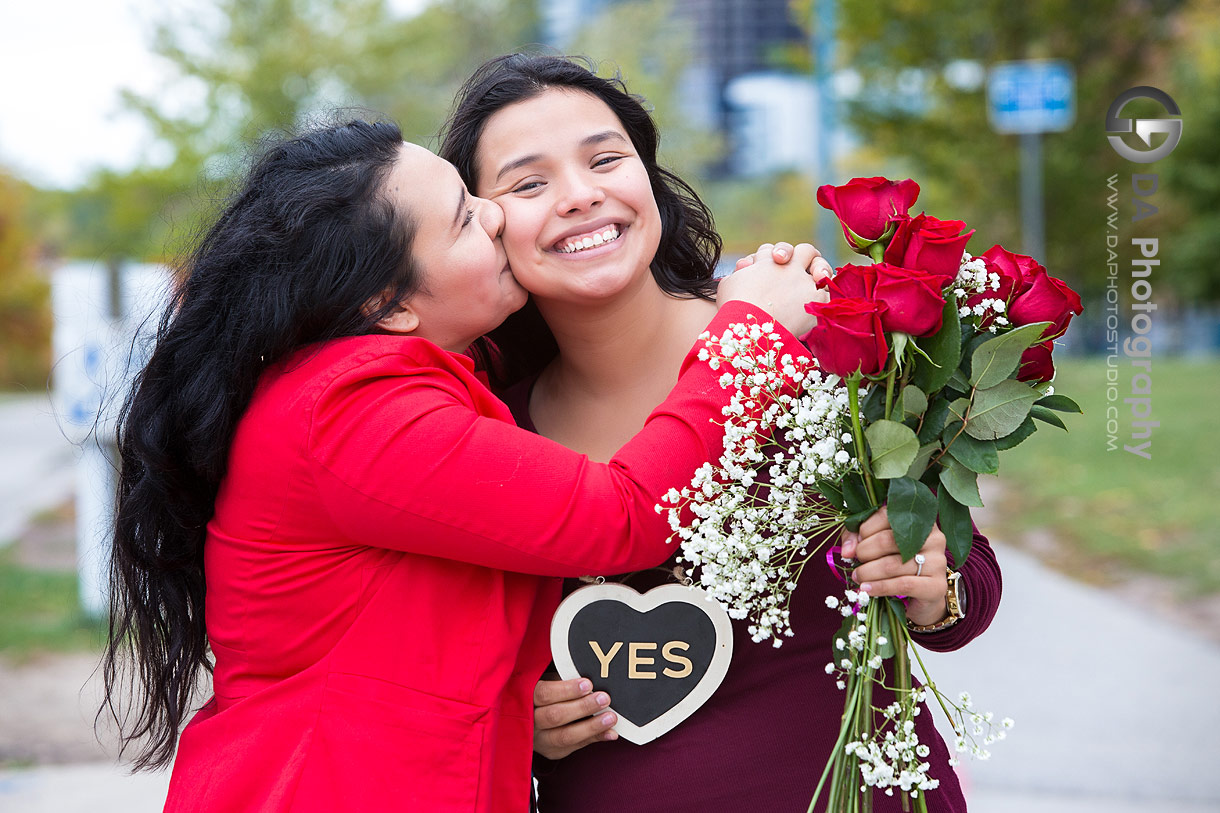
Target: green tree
[
  {"x": 1192, "y": 174},
  {"x": 25, "y": 317},
  {"x": 243, "y": 68},
  {"x": 914, "y": 110}
]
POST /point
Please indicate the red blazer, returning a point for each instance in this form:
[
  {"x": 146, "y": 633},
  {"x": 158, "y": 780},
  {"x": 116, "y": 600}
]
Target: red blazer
[{"x": 381, "y": 571}]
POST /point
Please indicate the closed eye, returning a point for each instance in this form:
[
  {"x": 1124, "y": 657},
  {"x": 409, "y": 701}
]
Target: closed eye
[{"x": 469, "y": 217}]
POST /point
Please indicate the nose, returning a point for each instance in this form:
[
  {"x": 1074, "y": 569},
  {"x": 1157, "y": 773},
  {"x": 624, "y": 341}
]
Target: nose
[
  {"x": 491, "y": 217},
  {"x": 579, "y": 194}
]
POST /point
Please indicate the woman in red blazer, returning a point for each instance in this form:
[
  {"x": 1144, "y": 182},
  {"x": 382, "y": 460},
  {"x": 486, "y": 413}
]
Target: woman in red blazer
[{"x": 318, "y": 487}]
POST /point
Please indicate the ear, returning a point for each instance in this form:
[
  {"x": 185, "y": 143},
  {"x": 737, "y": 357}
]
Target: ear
[{"x": 404, "y": 320}]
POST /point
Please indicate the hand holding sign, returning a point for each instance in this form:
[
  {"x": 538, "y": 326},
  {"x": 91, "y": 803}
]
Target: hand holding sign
[{"x": 659, "y": 655}]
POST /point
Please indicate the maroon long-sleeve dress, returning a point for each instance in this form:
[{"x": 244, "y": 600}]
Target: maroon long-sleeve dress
[{"x": 760, "y": 743}]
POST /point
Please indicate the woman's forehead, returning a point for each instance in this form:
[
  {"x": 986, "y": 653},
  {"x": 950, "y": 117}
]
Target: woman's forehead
[{"x": 554, "y": 118}]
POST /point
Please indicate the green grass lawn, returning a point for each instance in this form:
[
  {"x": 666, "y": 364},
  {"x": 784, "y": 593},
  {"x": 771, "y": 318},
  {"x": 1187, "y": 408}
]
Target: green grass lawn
[
  {"x": 39, "y": 611},
  {"x": 1118, "y": 514}
]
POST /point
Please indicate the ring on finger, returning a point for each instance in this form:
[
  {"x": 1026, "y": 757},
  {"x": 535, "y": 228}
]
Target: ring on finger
[{"x": 919, "y": 561}]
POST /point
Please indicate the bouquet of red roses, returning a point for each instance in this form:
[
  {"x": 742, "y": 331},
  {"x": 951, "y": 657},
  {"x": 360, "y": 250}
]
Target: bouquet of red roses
[
  {"x": 957, "y": 355},
  {"x": 958, "y": 350},
  {"x": 947, "y": 361}
]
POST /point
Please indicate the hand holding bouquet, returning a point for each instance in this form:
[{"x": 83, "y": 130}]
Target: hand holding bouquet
[{"x": 929, "y": 362}]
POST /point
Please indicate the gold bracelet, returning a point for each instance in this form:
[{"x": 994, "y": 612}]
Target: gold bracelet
[{"x": 952, "y": 601}]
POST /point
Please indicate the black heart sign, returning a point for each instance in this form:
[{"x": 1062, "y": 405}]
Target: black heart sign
[{"x": 659, "y": 655}]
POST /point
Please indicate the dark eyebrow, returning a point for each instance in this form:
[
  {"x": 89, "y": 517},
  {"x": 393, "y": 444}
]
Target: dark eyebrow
[
  {"x": 461, "y": 209},
  {"x": 596, "y": 138}
]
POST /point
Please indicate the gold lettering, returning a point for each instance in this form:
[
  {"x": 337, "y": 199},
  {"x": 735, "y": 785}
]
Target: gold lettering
[
  {"x": 605, "y": 658},
  {"x": 668, "y": 652},
  {"x": 634, "y": 660}
]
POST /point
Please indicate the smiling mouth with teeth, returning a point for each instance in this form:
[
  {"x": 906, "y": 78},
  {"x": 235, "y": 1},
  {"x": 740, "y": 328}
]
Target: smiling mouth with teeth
[{"x": 606, "y": 235}]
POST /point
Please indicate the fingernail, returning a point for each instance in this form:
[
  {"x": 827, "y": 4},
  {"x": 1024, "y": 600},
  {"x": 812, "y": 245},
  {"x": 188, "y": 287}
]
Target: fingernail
[
  {"x": 585, "y": 686},
  {"x": 866, "y": 588},
  {"x": 603, "y": 699},
  {"x": 608, "y": 720},
  {"x": 781, "y": 253},
  {"x": 610, "y": 736}
]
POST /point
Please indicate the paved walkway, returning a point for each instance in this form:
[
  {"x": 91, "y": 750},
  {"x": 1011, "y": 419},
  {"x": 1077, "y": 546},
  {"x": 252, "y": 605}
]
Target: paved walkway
[{"x": 1116, "y": 708}]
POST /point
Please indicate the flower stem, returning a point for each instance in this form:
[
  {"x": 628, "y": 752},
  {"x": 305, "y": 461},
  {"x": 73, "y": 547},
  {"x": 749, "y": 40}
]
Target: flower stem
[
  {"x": 837, "y": 752},
  {"x": 889, "y": 392},
  {"x": 853, "y": 394},
  {"x": 902, "y": 665},
  {"x": 960, "y": 429}
]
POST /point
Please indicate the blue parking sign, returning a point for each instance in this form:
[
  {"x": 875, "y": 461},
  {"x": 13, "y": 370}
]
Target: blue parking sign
[{"x": 1031, "y": 96}]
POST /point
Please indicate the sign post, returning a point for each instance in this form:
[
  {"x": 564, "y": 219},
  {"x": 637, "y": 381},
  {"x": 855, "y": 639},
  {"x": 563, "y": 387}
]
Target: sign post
[
  {"x": 104, "y": 316},
  {"x": 1028, "y": 98}
]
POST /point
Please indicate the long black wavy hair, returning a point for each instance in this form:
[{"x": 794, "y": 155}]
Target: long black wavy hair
[
  {"x": 690, "y": 247},
  {"x": 305, "y": 244}
]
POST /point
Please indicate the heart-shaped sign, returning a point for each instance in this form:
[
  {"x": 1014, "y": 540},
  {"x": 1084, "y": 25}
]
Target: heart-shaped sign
[{"x": 659, "y": 655}]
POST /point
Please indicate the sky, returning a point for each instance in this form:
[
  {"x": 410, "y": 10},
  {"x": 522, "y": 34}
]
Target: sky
[{"x": 64, "y": 63}]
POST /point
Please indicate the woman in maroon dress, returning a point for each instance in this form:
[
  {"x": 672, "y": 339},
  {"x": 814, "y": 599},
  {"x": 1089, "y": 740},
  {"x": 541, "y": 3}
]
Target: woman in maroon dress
[{"x": 618, "y": 256}]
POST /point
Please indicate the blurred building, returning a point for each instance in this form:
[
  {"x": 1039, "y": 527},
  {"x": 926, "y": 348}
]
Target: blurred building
[{"x": 735, "y": 84}]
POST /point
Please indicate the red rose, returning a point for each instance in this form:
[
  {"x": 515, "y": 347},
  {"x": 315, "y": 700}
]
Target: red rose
[
  {"x": 912, "y": 297},
  {"x": 1020, "y": 268},
  {"x": 913, "y": 300},
  {"x": 851, "y": 281},
  {"x": 1045, "y": 299},
  {"x": 866, "y": 207},
  {"x": 848, "y": 336},
  {"x": 1036, "y": 363},
  {"x": 931, "y": 245}
]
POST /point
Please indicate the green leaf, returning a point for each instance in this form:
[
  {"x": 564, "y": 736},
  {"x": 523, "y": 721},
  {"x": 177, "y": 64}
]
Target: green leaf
[
  {"x": 1060, "y": 403},
  {"x": 977, "y": 455},
  {"x": 920, "y": 463},
  {"x": 849, "y": 624},
  {"x": 931, "y": 477},
  {"x": 954, "y": 520},
  {"x": 996, "y": 359},
  {"x": 1017, "y": 435},
  {"x": 944, "y": 348},
  {"x": 855, "y": 497},
  {"x": 913, "y": 401},
  {"x": 898, "y": 347},
  {"x": 1046, "y": 416},
  {"x": 893, "y": 447},
  {"x": 961, "y": 482},
  {"x": 971, "y": 342},
  {"x": 1000, "y": 409},
  {"x": 853, "y": 521},
  {"x": 832, "y": 493},
  {"x": 912, "y": 513},
  {"x": 873, "y": 406},
  {"x": 934, "y": 420},
  {"x": 957, "y": 383},
  {"x": 886, "y": 650},
  {"x": 959, "y": 408}
]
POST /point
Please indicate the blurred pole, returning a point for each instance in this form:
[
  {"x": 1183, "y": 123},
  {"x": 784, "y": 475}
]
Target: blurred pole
[
  {"x": 822, "y": 47},
  {"x": 96, "y": 486},
  {"x": 1033, "y": 215}
]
